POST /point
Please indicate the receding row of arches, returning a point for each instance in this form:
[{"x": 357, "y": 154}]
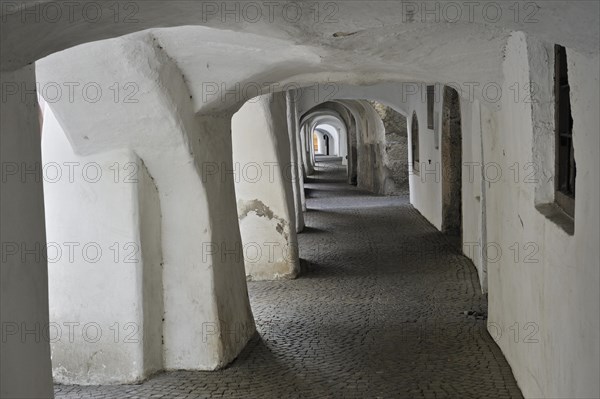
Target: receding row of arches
[{"x": 369, "y": 138}]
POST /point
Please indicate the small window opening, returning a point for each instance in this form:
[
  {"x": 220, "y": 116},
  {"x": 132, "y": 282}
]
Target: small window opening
[
  {"x": 414, "y": 134},
  {"x": 565, "y": 168},
  {"x": 430, "y": 102}
]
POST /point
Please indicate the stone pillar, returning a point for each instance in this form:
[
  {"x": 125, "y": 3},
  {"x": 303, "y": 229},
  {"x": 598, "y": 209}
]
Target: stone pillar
[
  {"x": 300, "y": 160},
  {"x": 343, "y": 133},
  {"x": 261, "y": 151},
  {"x": 311, "y": 150},
  {"x": 207, "y": 315},
  {"x": 207, "y": 306},
  {"x": 105, "y": 263},
  {"x": 307, "y": 166},
  {"x": 297, "y": 188},
  {"x": 352, "y": 152},
  {"x": 371, "y": 171},
  {"x": 25, "y": 349}
]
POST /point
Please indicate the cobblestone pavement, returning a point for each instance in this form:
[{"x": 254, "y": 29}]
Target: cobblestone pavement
[{"x": 377, "y": 313}]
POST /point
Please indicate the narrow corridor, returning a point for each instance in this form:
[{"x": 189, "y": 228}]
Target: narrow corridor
[{"x": 379, "y": 311}]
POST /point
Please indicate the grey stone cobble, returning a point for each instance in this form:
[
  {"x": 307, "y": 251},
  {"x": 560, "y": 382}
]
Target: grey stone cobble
[{"x": 377, "y": 313}]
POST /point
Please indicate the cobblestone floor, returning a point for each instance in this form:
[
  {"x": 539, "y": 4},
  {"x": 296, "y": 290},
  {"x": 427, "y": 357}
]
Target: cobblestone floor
[{"x": 377, "y": 313}]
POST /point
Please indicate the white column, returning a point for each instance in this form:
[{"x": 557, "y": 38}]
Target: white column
[
  {"x": 25, "y": 349},
  {"x": 300, "y": 161},
  {"x": 292, "y": 119},
  {"x": 262, "y": 156},
  {"x": 207, "y": 316}
]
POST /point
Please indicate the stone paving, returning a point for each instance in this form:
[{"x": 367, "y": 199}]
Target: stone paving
[{"x": 377, "y": 313}]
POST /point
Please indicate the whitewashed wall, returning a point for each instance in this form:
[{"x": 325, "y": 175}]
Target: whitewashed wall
[
  {"x": 552, "y": 283},
  {"x": 542, "y": 282}
]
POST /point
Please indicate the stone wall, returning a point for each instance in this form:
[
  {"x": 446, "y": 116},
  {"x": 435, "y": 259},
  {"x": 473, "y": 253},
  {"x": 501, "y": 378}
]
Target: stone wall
[{"x": 396, "y": 149}]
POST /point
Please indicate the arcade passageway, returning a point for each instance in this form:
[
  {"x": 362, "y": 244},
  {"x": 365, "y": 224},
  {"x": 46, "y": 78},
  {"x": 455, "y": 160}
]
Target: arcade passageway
[
  {"x": 378, "y": 312},
  {"x": 299, "y": 199}
]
